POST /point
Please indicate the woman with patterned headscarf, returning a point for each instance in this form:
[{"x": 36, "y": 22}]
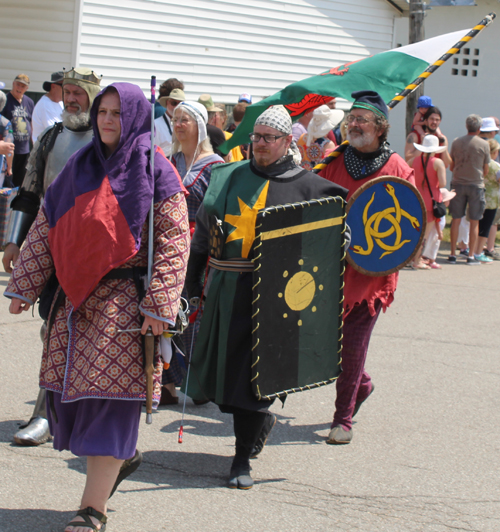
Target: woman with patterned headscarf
[{"x": 193, "y": 156}]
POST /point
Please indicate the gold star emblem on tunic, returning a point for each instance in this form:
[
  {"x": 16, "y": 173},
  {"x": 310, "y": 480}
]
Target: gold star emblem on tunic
[{"x": 245, "y": 222}]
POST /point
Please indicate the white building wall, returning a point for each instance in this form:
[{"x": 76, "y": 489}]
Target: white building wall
[
  {"x": 36, "y": 38},
  {"x": 224, "y": 47},
  {"x": 456, "y": 95}
]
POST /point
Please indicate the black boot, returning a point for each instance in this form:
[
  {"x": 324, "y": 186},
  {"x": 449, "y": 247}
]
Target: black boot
[
  {"x": 269, "y": 423},
  {"x": 239, "y": 476},
  {"x": 247, "y": 428}
]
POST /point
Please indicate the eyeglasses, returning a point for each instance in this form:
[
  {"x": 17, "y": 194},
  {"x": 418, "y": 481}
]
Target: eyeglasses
[
  {"x": 361, "y": 120},
  {"x": 268, "y": 139},
  {"x": 175, "y": 103},
  {"x": 184, "y": 120}
]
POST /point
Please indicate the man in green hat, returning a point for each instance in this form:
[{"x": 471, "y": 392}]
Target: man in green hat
[{"x": 367, "y": 156}]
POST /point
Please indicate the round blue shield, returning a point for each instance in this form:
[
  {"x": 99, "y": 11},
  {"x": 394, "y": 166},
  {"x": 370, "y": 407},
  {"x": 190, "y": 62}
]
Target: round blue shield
[{"x": 387, "y": 218}]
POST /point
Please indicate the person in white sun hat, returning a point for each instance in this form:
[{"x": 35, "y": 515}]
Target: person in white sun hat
[
  {"x": 314, "y": 145},
  {"x": 430, "y": 176},
  {"x": 489, "y": 128}
]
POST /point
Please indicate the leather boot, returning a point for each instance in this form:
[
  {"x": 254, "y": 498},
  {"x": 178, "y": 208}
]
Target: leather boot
[
  {"x": 239, "y": 476},
  {"x": 247, "y": 428},
  {"x": 269, "y": 423}
]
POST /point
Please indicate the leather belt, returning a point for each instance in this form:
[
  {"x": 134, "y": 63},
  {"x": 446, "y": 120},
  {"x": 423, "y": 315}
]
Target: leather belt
[{"x": 232, "y": 265}]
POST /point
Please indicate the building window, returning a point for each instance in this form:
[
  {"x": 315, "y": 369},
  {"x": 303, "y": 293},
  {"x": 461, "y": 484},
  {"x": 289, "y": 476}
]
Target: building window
[{"x": 468, "y": 64}]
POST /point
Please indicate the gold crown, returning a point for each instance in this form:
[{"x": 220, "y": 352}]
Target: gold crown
[{"x": 83, "y": 74}]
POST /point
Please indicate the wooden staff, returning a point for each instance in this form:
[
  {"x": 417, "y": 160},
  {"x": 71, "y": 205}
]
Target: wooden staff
[
  {"x": 149, "y": 340},
  {"x": 414, "y": 84}
]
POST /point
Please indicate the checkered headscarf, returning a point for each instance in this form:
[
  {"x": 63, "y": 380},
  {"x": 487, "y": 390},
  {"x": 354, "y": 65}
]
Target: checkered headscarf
[{"x": 276, "y": 117}]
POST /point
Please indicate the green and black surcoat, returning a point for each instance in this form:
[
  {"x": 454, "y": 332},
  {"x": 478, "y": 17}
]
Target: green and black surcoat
[{"x": 221, "y": 360}]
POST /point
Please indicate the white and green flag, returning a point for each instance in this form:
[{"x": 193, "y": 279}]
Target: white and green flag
[{"x": 387, "y": 73}]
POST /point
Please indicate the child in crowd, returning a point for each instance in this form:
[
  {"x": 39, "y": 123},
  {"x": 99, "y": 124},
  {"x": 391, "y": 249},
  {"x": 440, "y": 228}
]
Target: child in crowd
[{"x": 423, "y": 105}]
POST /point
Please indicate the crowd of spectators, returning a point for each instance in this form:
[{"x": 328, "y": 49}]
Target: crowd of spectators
[
  {"x": 474, "y": 186},
  {"x": 472, "y": 158}
]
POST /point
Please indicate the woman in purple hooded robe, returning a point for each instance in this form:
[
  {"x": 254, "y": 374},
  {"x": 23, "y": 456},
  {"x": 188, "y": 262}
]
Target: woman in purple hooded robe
[{"x": 92, "y": 232}]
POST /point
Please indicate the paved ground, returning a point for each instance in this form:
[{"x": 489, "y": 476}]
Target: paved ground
[{"x": 425, "y": 454}]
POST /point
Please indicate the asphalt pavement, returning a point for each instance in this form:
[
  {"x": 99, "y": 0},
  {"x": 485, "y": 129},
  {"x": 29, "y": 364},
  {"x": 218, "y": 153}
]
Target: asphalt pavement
[{"x": 424, "y": 457}]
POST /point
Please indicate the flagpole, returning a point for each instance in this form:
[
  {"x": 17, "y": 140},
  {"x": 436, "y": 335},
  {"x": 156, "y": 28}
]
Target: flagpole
[
  {"x": 329, "y": 158},
  {"x": 432, "y": 68},
  {"x": 412, "y": 86},
  {"x": 149, "y": 339}
]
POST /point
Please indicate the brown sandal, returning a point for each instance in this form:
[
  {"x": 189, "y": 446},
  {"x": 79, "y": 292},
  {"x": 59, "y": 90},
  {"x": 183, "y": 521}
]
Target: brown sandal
[
  {"x": 127, "y": 468},
  {"x": 87, "y": 522}
]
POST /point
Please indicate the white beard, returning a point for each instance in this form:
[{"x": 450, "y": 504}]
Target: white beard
[
  {"x": 75, "y": 122},
  {"x": 360, "y": 140}
]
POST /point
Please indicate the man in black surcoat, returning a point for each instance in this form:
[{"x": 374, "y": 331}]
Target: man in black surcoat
[{"x": 221, "y": 360}]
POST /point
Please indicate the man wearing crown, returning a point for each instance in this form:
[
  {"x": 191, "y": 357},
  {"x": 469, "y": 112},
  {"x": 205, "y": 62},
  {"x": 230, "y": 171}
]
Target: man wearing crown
[{"x": 50, "y": 153}]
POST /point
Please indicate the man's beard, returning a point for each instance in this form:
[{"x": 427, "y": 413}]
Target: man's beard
[
  {"x": 360, "y": 140},
  {"x": 262, "y": 158},
  {"x": 76, "y": 122}
]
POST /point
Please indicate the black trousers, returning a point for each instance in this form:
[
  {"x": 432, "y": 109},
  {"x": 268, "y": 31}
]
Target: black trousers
[
  {"x": 486, "y": 222},
  {"x": 19, "y": 168}
]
